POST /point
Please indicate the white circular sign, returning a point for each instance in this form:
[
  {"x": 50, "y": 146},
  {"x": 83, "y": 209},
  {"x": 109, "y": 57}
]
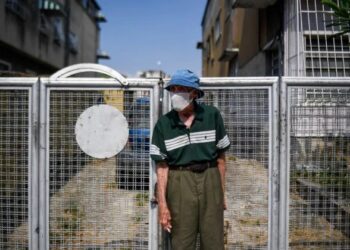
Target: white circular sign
[{"x": 101, "y": 131}]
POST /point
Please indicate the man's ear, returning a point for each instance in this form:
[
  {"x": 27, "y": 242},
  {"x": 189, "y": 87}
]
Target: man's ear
[{"x": 194, "y": 94}]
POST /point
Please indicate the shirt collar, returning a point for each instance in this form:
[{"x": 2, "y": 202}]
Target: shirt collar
[{"x": 198, "y": 110}]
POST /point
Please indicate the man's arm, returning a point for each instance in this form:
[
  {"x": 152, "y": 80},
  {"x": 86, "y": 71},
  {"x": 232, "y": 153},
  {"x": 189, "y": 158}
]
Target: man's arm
[
  {"x": 162, "y": 180},
  {"x": 222, "y": 169}
]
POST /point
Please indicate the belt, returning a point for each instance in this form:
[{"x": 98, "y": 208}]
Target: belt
[{"x": 195, "y": 167}]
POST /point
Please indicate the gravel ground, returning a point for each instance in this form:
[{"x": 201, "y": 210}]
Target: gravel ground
[
  {"x": 247, "y": 215},
  {"x": 247, "y": 201},
  {"x": 90, "y": 212}
]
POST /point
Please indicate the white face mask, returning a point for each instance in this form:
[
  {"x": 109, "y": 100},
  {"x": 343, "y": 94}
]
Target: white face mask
[{"x": 180, "y": 100}]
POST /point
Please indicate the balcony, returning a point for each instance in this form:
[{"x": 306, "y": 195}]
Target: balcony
[
  {"x": 52, "y": 7},
  {"x": 99, "y": 17}
]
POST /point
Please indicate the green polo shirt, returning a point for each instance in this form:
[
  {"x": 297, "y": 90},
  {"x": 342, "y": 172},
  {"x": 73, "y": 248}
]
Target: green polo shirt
[{"x": 174, "y": 143}]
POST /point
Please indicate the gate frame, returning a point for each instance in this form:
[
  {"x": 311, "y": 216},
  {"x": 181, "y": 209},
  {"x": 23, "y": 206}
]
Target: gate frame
[
  {"x": 31, "y": 85},
  {"x": 285, "y": 104},
  {"x": 61, "y": 80},
  {"x": 272, "y": 85}
]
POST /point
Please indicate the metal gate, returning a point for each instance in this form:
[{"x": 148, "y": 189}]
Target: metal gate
[
  {"x": 315, "y": 163},
  {"x": 288, "y": 166},
  {"x": 18, "y": 163},
  {"x": 55, "y": 196}
]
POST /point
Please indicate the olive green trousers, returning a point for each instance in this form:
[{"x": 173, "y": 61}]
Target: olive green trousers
[{"x": 195, "y": 202}]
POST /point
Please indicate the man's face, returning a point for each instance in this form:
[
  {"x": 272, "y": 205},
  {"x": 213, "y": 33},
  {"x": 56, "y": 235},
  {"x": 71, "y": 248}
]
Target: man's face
[{"x": 182, "y": 89}]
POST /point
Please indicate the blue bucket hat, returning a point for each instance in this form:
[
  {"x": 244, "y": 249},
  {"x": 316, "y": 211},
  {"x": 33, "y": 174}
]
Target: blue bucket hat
[{"x": 186, "y": 78}]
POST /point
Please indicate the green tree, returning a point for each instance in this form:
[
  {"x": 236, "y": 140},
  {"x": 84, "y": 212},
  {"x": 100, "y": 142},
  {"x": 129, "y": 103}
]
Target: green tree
[{"x": 341, "y": 15}]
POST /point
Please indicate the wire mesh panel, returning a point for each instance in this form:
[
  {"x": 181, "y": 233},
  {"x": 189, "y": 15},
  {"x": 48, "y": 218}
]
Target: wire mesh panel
[
  {"x": 14, "y": 170},
  {"x": 98, "y": 204},
  {"x": 246, "y": 117},
  {"x": 319, "y": 199}
]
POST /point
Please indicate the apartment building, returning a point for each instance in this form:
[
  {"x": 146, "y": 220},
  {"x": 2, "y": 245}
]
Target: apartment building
[
  {"x": 38, "y": 37},
  {"x": 271, "y": 38},
  {"x": 280, "y": 38}
]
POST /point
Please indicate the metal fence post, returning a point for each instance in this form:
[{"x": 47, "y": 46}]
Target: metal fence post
[
  {"x": 283, "y": 154},
  {"x": 34, "y": 174},
  {"x": 43, "y": 215},
  {"x": 275, "y": 167},
  {"x": 153, "y": 226}
]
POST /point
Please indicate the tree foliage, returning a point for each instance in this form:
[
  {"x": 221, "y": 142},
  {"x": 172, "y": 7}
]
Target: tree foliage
[{"x": 341, "y": 15}]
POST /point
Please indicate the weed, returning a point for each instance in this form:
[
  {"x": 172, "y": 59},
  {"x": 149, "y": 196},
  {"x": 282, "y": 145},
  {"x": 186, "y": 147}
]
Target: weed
[{"x": 141, "y": 199}]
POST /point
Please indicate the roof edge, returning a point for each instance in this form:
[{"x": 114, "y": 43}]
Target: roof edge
[{"x": 205, "y": 12}]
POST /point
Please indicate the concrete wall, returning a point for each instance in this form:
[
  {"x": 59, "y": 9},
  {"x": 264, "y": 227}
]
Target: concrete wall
[
  {"x": 212, "y": 66},
  {"x": 249, "y": 46},
  {"x": 88, "y": 35},
  {"x": 256, "y": 66}
]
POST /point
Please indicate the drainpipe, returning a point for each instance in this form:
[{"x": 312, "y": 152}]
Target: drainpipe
[
  {"x": 66, "y": 32},
  {"x": 280, "y": 43}
]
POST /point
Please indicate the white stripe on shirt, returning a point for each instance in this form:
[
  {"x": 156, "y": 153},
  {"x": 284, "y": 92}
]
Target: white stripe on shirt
[{"x": 223, "y": 143}]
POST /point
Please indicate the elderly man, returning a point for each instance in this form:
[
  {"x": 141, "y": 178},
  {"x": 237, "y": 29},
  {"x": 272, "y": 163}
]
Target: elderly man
[{"x": 188, "y": 146}]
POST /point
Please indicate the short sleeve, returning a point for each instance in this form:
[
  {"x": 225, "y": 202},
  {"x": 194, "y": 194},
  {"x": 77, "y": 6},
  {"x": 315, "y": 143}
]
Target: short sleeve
[
  {"x": 222, "y": 140},
  {"x": 157, "y": 149}
]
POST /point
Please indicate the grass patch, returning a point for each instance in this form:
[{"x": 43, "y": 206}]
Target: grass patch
[
  {"x": 111, "y": 185},
  {"x": 141, "y": 199},
  {"x": 69, "y": 222},
  {"x": 231, "y": 158}
]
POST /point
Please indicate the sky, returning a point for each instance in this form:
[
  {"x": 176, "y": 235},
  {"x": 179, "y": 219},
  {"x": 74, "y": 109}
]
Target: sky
[{"x": 152, "y": 35}]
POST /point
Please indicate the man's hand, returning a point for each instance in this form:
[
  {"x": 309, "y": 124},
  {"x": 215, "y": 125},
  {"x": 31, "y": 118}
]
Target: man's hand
[
  {"x": 164, "y": 213},
  {"x": 164, "y": 217},
  {"x": 221, "y": 161}
]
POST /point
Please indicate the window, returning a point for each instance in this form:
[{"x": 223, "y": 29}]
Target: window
[
  {"x": 208, "y": 48},
  {"x": 73, "y": 43},
  {"x": 16, "y": 7},
  {"x": 58, "y": 30},
  {"x": 44, "y": 24},
  {"x": 273, "y": 63},
  {"x": 327, "y": 56},
  {"x": 85, "y": 3},
  {"x": 228, "y": 7},
  {"x": 324, "y": 43},
  {"x": 217, "y": 29},
  {"x": 315, "y": 15}
]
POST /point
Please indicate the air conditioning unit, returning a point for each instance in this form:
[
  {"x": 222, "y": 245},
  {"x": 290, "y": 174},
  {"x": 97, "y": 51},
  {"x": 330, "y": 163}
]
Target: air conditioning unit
[{"x": 17, "y": 7}]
